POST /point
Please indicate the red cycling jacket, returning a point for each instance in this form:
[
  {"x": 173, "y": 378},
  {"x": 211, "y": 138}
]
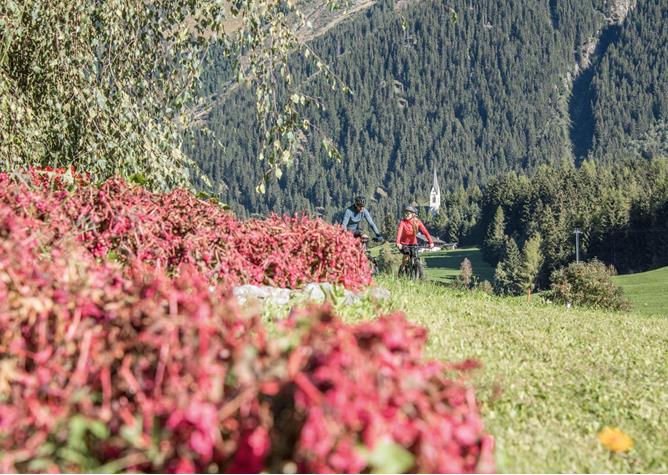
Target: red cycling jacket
[{"x": 406, "y": 234}]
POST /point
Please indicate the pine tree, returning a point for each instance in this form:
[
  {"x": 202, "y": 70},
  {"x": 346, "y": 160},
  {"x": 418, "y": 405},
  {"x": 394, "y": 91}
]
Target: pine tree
[
  {"x": 508, "y": 275},
  {"x": 532, "y": 262},
  {"x": 390, "y": 226},
  {"x": 454, "y": 225},
  {"x": 495, "y": 238}
]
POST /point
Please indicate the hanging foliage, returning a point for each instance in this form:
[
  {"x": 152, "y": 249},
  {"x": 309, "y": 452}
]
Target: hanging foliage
[{"x": 109, "y": 87}]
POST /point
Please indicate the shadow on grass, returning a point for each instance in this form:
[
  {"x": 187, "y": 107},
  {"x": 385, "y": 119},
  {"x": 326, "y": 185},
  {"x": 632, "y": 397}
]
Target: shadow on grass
[{"x": 444, "y": 266}]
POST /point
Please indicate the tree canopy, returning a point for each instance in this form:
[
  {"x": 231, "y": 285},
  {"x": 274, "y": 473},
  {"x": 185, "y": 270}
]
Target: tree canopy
[
  {"x": 110, "y": 87},
  {"x": 490, "y": 93}
]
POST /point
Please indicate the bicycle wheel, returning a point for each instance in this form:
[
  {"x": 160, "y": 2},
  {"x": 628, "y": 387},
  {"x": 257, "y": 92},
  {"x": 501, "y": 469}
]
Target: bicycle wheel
[
  {"x": 419, "y": 269},
  {"x": 402, "y": 271},
  {"x": 412, "y": 271}
]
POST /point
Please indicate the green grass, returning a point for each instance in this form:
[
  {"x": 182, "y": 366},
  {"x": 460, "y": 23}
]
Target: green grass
[
  {"x": 443, "y": 266},
  {"x": 552, "y": 377},
  {"x": 647, "y": 291}
]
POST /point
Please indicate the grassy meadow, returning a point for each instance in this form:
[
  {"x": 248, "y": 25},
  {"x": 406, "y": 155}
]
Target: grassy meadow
[
  {"x": 552, "y": 377},
  {"x": 443, "y": 266},
  {"x": 647, "y": 291}
]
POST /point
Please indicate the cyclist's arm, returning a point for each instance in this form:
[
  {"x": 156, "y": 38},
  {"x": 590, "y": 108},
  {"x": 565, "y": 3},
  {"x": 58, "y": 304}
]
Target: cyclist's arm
[
  {"x": 400, "y": 232},
  {"x": 346, "y": 218},
  {"x": 354, "y": 228},
  {"x": 424, "y": 231},
  {"x": 367, "y": 216}
]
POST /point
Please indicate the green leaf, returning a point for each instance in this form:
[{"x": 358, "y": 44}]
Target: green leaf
[
  {"x": 73, "y": 456},
  {"x": 112, "y": 256},
  {"x": 389, "y": 457},
  {"x": 133, "y": 433},
  {"x": 77, "y": 432},
  {"x": 138, "y": 179},
  {"x": 101, "y": 100},
  {"x": 39, "y": 465},
  {"x": 46, "y": 449},
  {"x": 99, "y": 429}
]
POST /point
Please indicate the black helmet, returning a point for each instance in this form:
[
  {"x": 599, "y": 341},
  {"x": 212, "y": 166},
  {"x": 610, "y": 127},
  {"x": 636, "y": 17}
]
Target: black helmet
[
  {"x": 360, "y": 201},
  {"x": 411, "y": 209}
]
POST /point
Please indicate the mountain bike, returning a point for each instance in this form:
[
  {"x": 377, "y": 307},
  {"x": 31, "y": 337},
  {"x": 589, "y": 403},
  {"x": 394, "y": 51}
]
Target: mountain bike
[
  {"x": 373, "y": 262},
  {"x": 413, "y": 268}
]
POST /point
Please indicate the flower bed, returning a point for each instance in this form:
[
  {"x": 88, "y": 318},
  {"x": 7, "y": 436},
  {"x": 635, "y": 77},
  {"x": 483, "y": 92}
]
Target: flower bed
[
  {"x": 127, "y": 222},
  {"x": 122, "y": 366}
]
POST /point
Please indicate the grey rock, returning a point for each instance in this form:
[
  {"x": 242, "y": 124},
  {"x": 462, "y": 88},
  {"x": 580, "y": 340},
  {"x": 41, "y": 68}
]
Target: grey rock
[
  {"x": 262, "y": 293},
  {"x": 327, "y": 288},
  {"x": 314, "y": 292},
  {"x": 279, "y": 296},
  {"x": 318, "y": 292},
  {"x": 350, "y": 298},
  {"x": 253, "y": 292},
  {"x": 379, "y": 294}
]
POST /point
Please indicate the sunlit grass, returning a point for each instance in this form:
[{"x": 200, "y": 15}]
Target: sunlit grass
[
  {"x": 647, "y": 291},
  {"x": 443, "y": 266},
  {"x": 553, "y": 378}
]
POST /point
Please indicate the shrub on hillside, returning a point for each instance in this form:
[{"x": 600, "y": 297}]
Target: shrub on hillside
[
  {"x": 486, "y": 287},
  {"x": 110, "y": 368},
  {"x": 388, "y": 260},
  {"x": 171, "y": 229},
  {"x": 587, "y": 284},
  {"x": 465, "y": 276}
]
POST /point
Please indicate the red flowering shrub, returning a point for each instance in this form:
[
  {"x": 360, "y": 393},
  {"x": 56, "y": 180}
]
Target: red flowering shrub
[
  {"x": 110, "y": 371},
  {"x": 112, "y": 368},
  {"x": 168, "y": 230},
  {"x": 295, "y": 251},
  {"x": 367, "y": 386}
]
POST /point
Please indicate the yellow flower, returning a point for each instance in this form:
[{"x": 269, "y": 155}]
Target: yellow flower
[{"x": 615, "y": 440}]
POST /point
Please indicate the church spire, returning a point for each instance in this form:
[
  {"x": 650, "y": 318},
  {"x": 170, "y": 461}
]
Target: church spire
[{"x": 435, "y": 196}]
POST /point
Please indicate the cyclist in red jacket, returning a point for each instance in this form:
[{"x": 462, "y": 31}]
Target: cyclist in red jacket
[{"x": 408, "y": 230}]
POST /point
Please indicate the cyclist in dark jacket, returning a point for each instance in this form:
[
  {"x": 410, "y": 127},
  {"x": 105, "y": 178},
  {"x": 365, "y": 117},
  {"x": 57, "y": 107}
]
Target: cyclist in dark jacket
[{"x": 354, "y": 216}]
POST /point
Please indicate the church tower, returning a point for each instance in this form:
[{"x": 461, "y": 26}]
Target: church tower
[{"x": 435, "y": 197}]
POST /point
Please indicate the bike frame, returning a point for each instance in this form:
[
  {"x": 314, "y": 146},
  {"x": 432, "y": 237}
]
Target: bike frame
[
  {"x": 372, "y": 260},
  {"x": 413, "y": 267}
]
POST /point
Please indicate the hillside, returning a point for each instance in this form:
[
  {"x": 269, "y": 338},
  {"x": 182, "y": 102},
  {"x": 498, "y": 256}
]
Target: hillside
[
  {"x": 647, "y": 291},
  {"x": 508, "y": 86},
  {"x": 443, "y": 266}
]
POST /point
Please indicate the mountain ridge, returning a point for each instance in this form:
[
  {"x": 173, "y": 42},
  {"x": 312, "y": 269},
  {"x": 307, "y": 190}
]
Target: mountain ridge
[{"x": 473, "y": 98}]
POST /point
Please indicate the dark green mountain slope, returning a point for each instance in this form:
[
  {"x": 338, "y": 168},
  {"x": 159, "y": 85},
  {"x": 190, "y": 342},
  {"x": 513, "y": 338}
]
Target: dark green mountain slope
[
  {"x": 630, "y": 88},
  {"x": 473, "y": 98}
]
